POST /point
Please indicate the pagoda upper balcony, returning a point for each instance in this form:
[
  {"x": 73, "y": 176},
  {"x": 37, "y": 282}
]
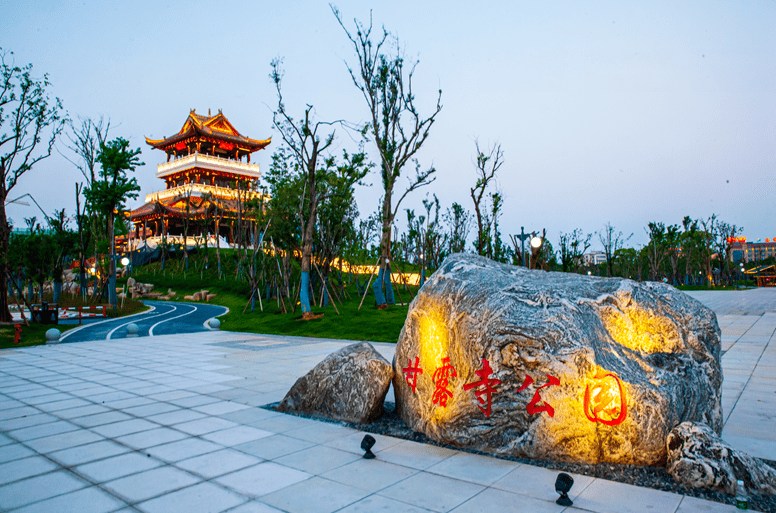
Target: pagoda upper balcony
[
  {"x": 207, "y": 162},
  {"x": 198, "y": 190}
]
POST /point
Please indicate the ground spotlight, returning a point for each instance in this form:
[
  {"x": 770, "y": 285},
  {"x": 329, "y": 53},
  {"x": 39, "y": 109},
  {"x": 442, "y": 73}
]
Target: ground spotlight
[
  {"x": 563, "y": 485},
  {"x": 367, "y": 443}
]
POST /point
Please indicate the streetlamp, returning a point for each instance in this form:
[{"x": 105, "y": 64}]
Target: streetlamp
[
  {"x": 536, "y": 244},
  {"x": 422, "y": 270},
  {"x": 523, "y": 236}
]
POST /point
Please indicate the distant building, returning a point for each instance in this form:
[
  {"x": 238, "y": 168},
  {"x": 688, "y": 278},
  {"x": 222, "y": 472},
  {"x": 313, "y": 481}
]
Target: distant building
[
  {"x": 754, "y": 251},
  {"x": 203, "y": 171},
  {"x": 594, "y": 258}
]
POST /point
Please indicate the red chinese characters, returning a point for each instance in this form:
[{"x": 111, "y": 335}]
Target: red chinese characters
[
  {"x": 605, "y": 400},
  {"x": 411, "y": 373},
  {"x": 484, "y": 387},
  {"x": 533, "y": 407},
  {"x": 441, "y": 375}
]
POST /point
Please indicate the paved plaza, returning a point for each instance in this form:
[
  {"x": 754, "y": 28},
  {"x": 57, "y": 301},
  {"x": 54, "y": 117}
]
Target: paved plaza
[{"x": 170, "y": 423}]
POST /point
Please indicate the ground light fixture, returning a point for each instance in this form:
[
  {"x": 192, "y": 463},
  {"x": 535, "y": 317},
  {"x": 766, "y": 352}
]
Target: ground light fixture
[
  {"x": 536, "y": 242},
  {"x": 563, "y": 485},
  {"x": 366, "y": 444}
]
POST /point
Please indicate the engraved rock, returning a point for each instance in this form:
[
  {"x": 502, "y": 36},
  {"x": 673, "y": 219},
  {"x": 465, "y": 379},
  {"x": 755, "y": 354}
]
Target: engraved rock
[{"x": 555, "y": 365}]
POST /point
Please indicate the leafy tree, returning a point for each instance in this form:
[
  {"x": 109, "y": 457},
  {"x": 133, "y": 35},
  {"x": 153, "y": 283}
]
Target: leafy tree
[
  {"x": 571, "y": 247},
  {"x": 396, "y": 126},
  {"x": 318, "y": 173},
  {"x": 110, "y": 192},
  {"x": 27, "y": 118},
  {"x": 458, "y": 221}
]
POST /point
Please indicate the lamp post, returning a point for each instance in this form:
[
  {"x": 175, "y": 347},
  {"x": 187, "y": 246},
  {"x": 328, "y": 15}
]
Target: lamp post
[
  {"x": 422, "y": 270},
  {"x": 523, "y": 236},
  {"x": 536, "y": 244}
]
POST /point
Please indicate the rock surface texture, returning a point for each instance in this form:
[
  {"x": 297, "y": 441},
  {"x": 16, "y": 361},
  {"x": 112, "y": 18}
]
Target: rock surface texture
[
  {"x": 698, "y": 458},
  {"x": 555, "y": 365},
  {"x": 348, "y": 385}
]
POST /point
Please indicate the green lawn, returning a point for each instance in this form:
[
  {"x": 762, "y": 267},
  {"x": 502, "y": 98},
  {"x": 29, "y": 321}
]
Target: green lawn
[{"x": 368, "y": 323}]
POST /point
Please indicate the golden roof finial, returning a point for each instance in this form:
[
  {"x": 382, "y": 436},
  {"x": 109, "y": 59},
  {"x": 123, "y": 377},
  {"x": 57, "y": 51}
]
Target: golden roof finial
[{"x": 208, "y": 113}]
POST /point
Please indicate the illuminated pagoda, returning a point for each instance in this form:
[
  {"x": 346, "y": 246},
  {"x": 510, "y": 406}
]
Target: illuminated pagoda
[{"x": 208, "y": 165}]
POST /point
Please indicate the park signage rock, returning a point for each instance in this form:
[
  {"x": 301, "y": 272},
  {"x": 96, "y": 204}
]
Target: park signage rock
[
  {"x": 555, "y": 366},
  {"x": 348, "y": 385},
  {"x": 698, "y": 458}
]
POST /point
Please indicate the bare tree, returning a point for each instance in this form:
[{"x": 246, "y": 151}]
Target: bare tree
[
  {"x": 85, "y": 141},
  {"x": 318, "y": 171},
  {"x": 612, "y": 242},
  {"x": 487, "y": 165},
  {"x": 26, "y": 115},
  {"x": 396, "y": 126}
]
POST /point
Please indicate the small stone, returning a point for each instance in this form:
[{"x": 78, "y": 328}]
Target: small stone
[
  {"x": 132, "y": 330},
  {"x": 215, "y": 324},
  {"x": 348, "y": 385},
  {"x": 698, "y": 458},
  {"x": 52, "y": 336}
]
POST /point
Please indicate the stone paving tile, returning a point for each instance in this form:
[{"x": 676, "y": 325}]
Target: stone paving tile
[
  {"x": 236, "y": 435},
  {"x": 117, "y": 466},
  {"x": 203, "y": 426},
  {"x": 182, "y": 449},
  {"x": 218, "y": 463},
  {"x": 150, "y": 409},
  {"x": 21, "y": 469},
  {"x": 43, "y": 430},
  {"x": 273, "y": 447},
  {"x": 220, "y": 408},
  {"x": 318, "y": 459},
  {"x": 499, "y": 500},
  {"x": 539, "y": 482},
  {"x": 176, "y": 417},
  {"x": 22, "y": 422},
  {"x": 193, "y": 400},
  {"x": 200, "y": 498},
  {"x": 100, "y": 419},
  {"x": 262, "y": 479},
  {"x": 430, "y": 491},
  {"x": 315, "y": 495},
  {"x": 39, "y": 488},
  {"x": 89, "y": 452},
  {"x": 143, "y": 486},
  {"x": 473, "y": 468},
  {"x": 609, "y": 496},
  {"x": 88, "y": 500},
  {"x": 151, "y": 438},
  {"x": 369, "y": 475},
  {"x": 124, "y": 428}
]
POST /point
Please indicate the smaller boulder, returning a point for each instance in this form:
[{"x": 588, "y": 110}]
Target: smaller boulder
[
  {"x": 209, "y": 297},
  {"x": 348, "y": 385},
  {"x": 130, "y": 282},
  {"x": 190, "y": 298},
  {"x": 698, "y": 458}
]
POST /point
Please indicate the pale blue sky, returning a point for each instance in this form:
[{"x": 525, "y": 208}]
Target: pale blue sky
[{"x": 623, "y": 112}]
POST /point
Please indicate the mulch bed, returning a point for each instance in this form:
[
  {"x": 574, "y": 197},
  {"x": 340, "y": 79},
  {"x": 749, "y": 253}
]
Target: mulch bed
[{"x": 650, "y": 477}]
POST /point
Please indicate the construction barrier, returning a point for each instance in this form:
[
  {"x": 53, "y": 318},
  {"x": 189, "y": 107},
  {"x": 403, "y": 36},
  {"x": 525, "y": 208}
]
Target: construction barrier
[{"x": 87, "y": 311}]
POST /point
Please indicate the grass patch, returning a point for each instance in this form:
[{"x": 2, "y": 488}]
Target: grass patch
[{"x": 368, "y": 323}]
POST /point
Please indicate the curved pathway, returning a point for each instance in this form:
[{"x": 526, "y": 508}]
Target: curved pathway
[{"x": 163, "y": 318}]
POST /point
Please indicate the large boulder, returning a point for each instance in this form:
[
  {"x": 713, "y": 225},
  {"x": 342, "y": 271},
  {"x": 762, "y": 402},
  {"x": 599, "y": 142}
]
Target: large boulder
[
  {"x": 555, "y": 365},
  {"x": 348, "y": 385},
  {"x": 698, "y": 458}
]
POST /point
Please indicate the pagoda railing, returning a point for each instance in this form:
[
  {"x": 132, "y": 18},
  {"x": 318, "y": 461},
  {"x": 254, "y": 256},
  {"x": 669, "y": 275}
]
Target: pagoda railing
[
  {"x": 197, "y": 190},
  {"x": 211, "y": 162}
]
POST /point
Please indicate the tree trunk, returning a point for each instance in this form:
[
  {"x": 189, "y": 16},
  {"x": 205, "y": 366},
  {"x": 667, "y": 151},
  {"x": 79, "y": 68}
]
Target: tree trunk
[{"x": 5, "y": 233}]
